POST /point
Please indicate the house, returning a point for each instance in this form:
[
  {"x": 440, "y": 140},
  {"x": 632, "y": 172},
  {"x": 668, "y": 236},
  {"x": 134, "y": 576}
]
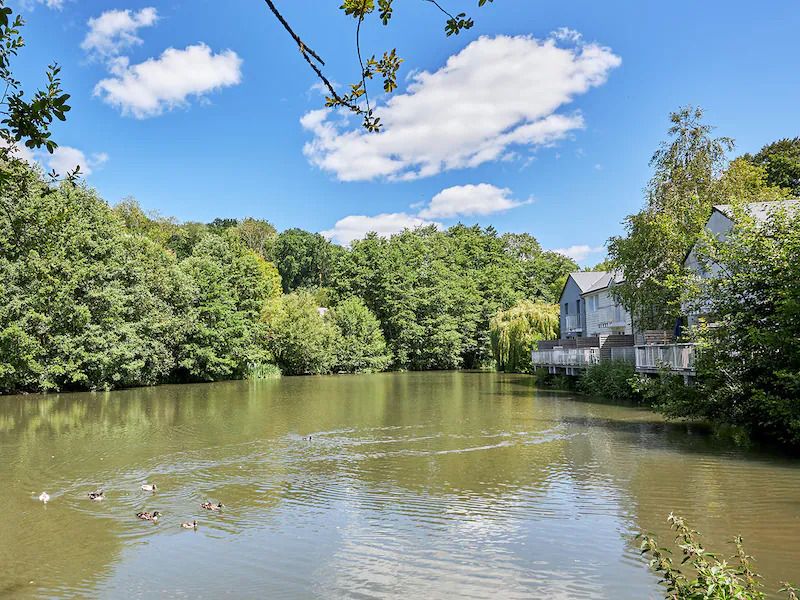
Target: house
[
  {"x": 604, "y": 315},
  {"x": 588, "y": 307},
  {"x": 719, "y": 224}
]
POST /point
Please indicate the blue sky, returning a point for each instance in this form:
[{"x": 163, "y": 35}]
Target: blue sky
[{"x": 523, "y": 129}]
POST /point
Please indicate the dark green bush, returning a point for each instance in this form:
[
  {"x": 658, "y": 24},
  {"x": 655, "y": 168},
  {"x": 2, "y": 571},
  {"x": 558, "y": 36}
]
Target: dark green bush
[{"x": 613, "y": 380}]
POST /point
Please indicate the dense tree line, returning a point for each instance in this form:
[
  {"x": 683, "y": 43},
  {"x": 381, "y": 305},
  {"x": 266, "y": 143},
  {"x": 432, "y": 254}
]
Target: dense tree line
[{"x": 100, "y": 297}]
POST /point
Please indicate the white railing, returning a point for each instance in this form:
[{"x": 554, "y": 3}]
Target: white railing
[
  {"x": 572, "y": 323},
  {"x": 566, "y": 357},
  {"x": 612, "y": 316},
  {"x": 624, "y": 354},
  {"x": 675, "y": 357}
]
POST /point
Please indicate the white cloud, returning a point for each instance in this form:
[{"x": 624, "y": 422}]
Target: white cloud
[
  {"x": 115, "y": 30},
  {"x": 149, "y": 88},
  {"x": 355, "y": 227},
  {"x": 66, "y": 158},
  {"x": 579, "y": 252},
  {"x": 481, "y": 199},
  {"x": 53, "y": 4},
  {"x": 496, "y": 95}
]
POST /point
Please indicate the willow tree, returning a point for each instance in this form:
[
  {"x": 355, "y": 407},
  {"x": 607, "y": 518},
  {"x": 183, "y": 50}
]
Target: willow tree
[{"x": 515, "y": 331}]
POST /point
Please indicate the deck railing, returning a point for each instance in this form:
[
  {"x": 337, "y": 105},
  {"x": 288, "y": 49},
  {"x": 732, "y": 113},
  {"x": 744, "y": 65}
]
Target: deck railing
[
  {"x": 566, "y": 357},
  {"x": 675, "y": 357},
  {"x": 623, "y": 354}
]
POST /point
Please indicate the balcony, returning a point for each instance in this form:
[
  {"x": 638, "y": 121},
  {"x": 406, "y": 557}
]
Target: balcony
[
  {"x": 573, "y": 323},
  {"x": 672, "y": 357},
  {"x": 612, "y": 316}
]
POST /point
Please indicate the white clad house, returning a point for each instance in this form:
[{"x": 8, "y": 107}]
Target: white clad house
[{"x": 604, "y": 314}]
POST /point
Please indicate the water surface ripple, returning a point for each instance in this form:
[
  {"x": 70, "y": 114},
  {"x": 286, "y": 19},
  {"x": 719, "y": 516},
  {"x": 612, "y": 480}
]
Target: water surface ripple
[{"x": 416, "y": 485}]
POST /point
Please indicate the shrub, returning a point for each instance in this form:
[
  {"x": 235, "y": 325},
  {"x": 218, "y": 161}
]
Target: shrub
[
  {"x": 613, "y": 380},
  {"x": 263, "y": 371},
  {"x": 711, "y": 577}
]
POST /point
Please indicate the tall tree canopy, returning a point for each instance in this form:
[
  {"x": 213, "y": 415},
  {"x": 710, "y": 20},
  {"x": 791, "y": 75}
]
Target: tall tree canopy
[
  {"x": 690, "y": 176},
  {"x": 781, "y": 162}
]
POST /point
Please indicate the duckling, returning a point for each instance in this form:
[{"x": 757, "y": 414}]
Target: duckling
[
  {"x": 187, "y": 525},
  {"x": 149, "y": 487},
  {"x": 146, "y": 516},
  {"x": 44, "y": 497},
  {"x": 97, "y": 495},
  {"x": 212, "y": 506}
]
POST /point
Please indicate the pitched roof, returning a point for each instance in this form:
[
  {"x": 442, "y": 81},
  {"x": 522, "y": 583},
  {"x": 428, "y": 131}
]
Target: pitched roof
[
  {"x": 585, "y": 280},
  {"x": 606, "y": 280},
  {"x": 760, "y": 211}
]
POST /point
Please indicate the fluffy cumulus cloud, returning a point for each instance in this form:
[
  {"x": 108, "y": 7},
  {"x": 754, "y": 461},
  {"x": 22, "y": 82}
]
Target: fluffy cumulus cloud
[
  {"x": 456, "y": 201},
  {"x": 355, "y": 227},
  {"x": 579, "y": 252},
  {"x": 65, "y": 158},
  {"x": 497, "y": 96},
  {"x": 159, "y": 84},
  {"x": 115, "y": 30},
  {"x": 469, "y": 200}
]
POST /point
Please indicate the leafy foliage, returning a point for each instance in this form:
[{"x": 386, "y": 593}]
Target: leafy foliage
[
  {"x": 703, "y": 575},
  {"x": 515, "y": 331},
  {"x": 781, "y": 163},
  {"x": 25, "y": 121},
  {"x": 360, "y": 346},
  {"x": 749, "y": 361},
  {"x": 691, "y": 175},
  {"x": 434, "y": 292},
  {"x": 301, "y": 340},
  {"x": 679, "y": 200},
  {"x": 356, "y": 99},
  {"x": 612, "y": 380}
]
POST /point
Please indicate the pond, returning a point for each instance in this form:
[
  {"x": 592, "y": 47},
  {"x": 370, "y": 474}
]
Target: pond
[{"x": 413, "y": 485}]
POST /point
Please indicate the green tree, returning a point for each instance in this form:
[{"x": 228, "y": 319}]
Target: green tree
[
  {"x": 781, "y": 163},
  {"x": 679, "y": 198},
  {"x": 360, "y": 346},
  {"x": 514, "y": 333},
  {"x": 303, "y": 259},
  {"x": 84, "y": 304},
  {"x": 301, "y": 340},
  {"x": 230, "y": 287},
  {"x": 749, "y": 361},
  {"x": 259, "y": 236}
]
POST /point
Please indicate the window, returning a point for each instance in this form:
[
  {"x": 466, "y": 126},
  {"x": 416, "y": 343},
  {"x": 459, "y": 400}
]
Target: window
[{"x": 566, "y": 308}]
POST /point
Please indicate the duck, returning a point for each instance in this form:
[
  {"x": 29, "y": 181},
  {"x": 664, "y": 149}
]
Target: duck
[
  {"x": 147, "y": 516},
  {"x": 187, "y": 525},
  {"x": 212, "y": 506},
  {"x": 97, "y": 495},
  {"x": 44, "y": 497},
  {"x": 149, "y": 487}
]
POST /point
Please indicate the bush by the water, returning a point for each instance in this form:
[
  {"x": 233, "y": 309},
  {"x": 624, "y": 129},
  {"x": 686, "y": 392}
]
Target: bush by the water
[
  {"x": 613, "y": 380},
  {"x": 701, "y": 574}
]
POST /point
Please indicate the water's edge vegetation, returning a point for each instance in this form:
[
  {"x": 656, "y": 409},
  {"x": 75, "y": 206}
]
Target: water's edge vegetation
[{"x": 101, "y": 297}]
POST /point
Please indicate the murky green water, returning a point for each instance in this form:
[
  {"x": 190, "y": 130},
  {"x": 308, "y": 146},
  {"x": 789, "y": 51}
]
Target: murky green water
[{"x": 432, "y": 485}]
